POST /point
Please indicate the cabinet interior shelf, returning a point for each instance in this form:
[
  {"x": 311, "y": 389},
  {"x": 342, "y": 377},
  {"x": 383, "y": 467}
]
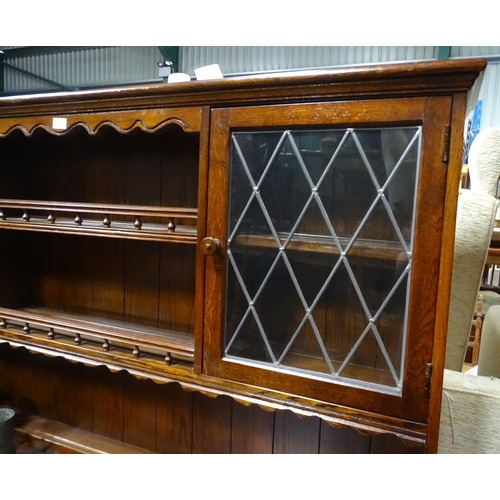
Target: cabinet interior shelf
[
  {"x": 129, "y": 221},
  {"x": 322, "y": 244},
  {"x": 43, "y": 326}
]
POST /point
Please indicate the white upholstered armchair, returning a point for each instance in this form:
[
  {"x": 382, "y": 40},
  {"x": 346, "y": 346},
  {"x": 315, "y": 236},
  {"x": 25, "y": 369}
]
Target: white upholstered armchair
[{"x": 470, "y": 409}]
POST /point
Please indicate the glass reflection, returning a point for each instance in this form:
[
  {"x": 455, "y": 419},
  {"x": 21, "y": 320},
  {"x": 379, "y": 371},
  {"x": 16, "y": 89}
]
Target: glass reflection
[{"x": 319, "y": 249}]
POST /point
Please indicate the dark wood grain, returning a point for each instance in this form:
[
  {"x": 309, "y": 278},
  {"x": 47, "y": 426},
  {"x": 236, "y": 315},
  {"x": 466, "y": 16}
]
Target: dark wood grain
[
  {"x": 22, "y": 371},
  {"x": 252, "y": 429},
  {"x": 4, "y": 379},
  {"x": 26, "y": 389},
  {"x": 141, "y": 284},
  {"x": 74, "y": 267},
  {"x": 51, "y": 437},
  {"x": 65, "y": 394},
  {"x": 58, "y": 330},
  {"x": 445, "y": 273},
  {"x": 16, "y": 250},
  {"x": 119, "y": 230},
  {"x": 108, "y": 402},
  {"x": 213, "y": 307},
  {"x": 202, "y": 203},
  {"x": 211, "y": 424},
  {"x": 337, "y": 440},
  {"x": 177, "y": 288},
  {"x": 7, "y": 384},
  {"x": 380, "y": 444},
  {"x": 293, "y": 434},
  {"x": 108, "y": 277},
  {"x": 123, "y": 122},
  {"x": 174, "y": 428},
  {"x": 139, "y": 413}
]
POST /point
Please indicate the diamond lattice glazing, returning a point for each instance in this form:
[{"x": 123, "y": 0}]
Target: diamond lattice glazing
[{"x": 320, "y": 250}]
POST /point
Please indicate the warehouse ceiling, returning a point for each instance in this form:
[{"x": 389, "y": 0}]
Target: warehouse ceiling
[{"x": 34, "y": 69}]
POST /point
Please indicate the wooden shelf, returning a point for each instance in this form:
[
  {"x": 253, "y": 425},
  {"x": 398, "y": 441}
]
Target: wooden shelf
[
  {"x": 353, "y": 372},
  {"x": 323, "y": 244},
  {"x": 35, "y": 434},
  {"x": 109, "y": 339},
  {"x": 140, "y": 225}
]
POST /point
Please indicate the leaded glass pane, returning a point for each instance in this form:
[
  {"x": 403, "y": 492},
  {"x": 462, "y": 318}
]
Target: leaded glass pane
[{"x": 319, "y": 250}]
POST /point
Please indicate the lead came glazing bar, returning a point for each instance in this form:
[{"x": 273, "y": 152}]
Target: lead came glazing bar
[{"x": 317, "y": 189}]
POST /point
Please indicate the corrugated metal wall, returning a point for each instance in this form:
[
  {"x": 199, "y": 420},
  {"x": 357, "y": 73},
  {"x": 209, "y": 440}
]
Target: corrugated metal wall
[
  {"x": 475, "y": 51},
  {"x": 113, "y": 65},
  {"x": 117, "y": 65},
  {"x": 235, "y": 60},
  {"x": 490, "y": 95},
  {"x": 97, "y": 66}
]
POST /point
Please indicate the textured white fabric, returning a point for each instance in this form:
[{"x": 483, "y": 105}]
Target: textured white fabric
[
  {"x": 484, "y": 161},
  {"x": 489, "y": 354},
  {"x": 475, "y": 222},
  {"x": 470, "y": 414}
]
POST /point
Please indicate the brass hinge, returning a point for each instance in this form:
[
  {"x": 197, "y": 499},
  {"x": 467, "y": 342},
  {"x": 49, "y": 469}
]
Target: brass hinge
[
  {"x": 446, "y": 145},
  {"x": 428, "y": 373}
]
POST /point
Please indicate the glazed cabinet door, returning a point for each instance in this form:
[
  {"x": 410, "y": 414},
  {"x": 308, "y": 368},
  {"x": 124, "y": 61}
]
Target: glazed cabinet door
[{"x": 323, "y": 243}]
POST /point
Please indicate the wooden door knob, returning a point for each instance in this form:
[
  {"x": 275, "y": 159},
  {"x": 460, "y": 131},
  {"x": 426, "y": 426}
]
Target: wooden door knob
[{"x": 210, "y": 246}]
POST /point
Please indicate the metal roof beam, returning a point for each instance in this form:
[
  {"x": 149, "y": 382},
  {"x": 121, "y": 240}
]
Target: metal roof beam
[{"x": 3, "y": 64}]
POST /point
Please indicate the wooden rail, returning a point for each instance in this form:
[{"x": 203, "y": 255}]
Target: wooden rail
[
  {"x": 45, "y": 325},
  {"x": 136, "y": 228}
]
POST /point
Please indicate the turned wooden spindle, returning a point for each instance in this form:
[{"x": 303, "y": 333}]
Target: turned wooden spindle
[
  {"x": 51, "y": 334},
  {"x": 78, "y": 220},
  {"x": 171, "y": 225},
  {"x": 106, "y": 221},
  {"x": 138, "y": 223},
  {"x": 26, "y": 328},
  {"x": 105, "y": 345},
  {"x": 136, "y": 352},
  {"x": 51, "y": 218},
  {"x": 78, "y": 339},
  {"x": 26, "y": 216}
]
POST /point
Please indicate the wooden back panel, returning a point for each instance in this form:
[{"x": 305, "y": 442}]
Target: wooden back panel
[{"x": 166, "y": 418}]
